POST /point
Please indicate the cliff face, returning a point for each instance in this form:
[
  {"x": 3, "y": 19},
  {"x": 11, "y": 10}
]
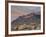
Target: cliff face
[{"x": 26, "y": 22}]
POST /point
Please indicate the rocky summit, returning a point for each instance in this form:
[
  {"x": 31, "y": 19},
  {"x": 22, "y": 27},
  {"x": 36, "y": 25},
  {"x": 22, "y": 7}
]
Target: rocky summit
[{"x": 26, "y": 22}]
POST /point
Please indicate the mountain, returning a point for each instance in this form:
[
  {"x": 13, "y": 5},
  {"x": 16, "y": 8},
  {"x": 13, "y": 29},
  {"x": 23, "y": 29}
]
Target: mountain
[{"x": 26, "y": 19}]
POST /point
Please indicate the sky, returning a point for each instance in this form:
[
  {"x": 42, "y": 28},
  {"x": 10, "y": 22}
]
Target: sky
[{"x": 17, "y": 11}]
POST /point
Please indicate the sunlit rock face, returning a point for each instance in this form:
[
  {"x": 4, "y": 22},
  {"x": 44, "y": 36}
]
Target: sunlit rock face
[{"x": 26, "y": 22}]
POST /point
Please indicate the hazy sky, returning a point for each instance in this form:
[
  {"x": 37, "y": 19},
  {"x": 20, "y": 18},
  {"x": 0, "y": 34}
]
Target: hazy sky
[{"x": 17, "y": 11}]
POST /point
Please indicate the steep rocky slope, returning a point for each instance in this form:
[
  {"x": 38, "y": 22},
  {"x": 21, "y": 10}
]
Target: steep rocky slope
[{"x": 26, "y": 22}]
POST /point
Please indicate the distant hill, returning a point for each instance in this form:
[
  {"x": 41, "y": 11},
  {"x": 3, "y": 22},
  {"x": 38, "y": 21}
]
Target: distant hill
[{"x": 26, "y": 19}]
